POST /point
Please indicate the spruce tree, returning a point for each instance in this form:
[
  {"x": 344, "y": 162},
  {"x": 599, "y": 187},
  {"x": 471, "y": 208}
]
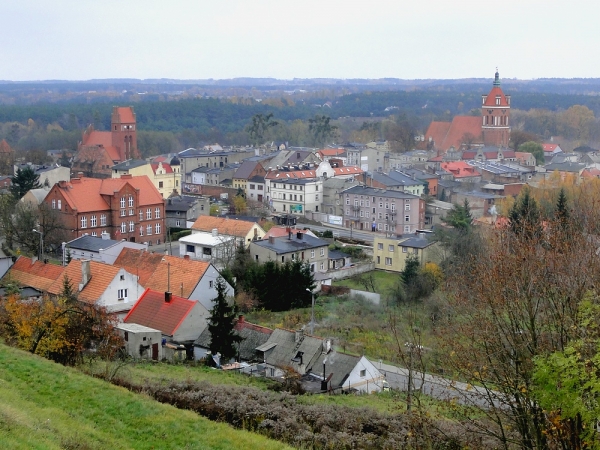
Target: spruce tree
[
  {"x": 221, "y": 325},
  {"x": 524, "y": 216},
  {"x": 23, "y": 181}
]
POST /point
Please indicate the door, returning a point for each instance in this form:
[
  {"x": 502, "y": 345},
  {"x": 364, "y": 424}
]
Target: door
[{"x": 155, "y": 352}]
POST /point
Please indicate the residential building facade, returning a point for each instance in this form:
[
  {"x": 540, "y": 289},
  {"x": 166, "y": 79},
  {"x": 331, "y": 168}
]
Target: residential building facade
[{"x": 294, "y": 247}]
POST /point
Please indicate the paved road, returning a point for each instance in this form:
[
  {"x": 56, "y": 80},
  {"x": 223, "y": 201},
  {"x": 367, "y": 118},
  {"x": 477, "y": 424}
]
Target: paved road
[
  {"x": 438, "y": 387},
  {"x": 366, "y": 236}
]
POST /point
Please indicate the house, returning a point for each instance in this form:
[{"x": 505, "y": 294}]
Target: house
[
  {"x": 294, "y": 247},
  {"x": 244, "y": 232},
  {"x": 551, "y": 149},
  {"x": 282, "y": 231},
  {"x": 461, "y": 171},
  {"x": 256, "y": 189},
  {"x": 295, "y": 196},
  {"x": 101, "y": 249},
  {"x": 430, "y": 179},
  {"x": 34, "y": 274},
  {"x": 252, "y": 335},
  {"x": 141, "y": 342},
  {"x": 182, "y": 211},
  {"x": 35, "y": 196},
  {"x": 218, "y": 249},
  {"x": 192, "y": 159},
  {"x": 368, "y": 208},
  {"x": 49, "y": 175},
  {"x": 320, "y": 365},
  {"x": 246, "y": 171},
  {"x": 165, "y": 175},
  {"x": 99, "y": 284},
  {"x": 128, "y": 208},
  {"x": 195, "y": 280},
  {"x": 479, "y": 202},
  {"x": 179, "y": 320},
  {"x": 390, "y": 253},
  {"x": 214, "y": 176},
  {"x": 396, "y": 181},
  {"x": 327, "y": 154},
  {"x": 331, "y": 169},
  {"x": 338, "y": 259},
  {"x": 98, "y": 151}
]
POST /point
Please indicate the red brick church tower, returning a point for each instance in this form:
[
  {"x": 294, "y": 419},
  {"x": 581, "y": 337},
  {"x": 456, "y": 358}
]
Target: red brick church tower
[
  {"x": 123, "y": 131},
  {"x": 495, "y": 113}
]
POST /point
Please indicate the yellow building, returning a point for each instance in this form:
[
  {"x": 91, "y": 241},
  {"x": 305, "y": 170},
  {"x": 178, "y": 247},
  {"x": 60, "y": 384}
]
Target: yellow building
[
  {"x": 166, "y": 176},
  {"x": 390, "y": 253}
]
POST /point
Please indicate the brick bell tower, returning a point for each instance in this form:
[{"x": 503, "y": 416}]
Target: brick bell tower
[
  {"x": 495, "y": 112},
  {"x": 124, "y": 134}
]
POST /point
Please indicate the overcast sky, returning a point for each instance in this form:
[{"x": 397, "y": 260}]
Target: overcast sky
[{"x": 190, "y": 39}]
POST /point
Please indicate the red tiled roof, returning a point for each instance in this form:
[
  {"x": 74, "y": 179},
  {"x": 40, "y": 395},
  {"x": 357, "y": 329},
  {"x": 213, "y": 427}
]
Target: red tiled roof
[
  {"x": 281, "y": 232},
  {"x": 151, "y": 310},
  {"x": 460, "y": 169},
  {"x": 294, "y": 174},
  {"x": 149, "y": 194},
  {"x": 590, "y": 172},
  {"x": 103, "y": 138},
  {"x": 166, "y": 166},
  {"x": 101, "y": 277},
  {"x": 347, "y": 170},
  {"x": 126, "y": 114},
  {"x": 154, "y": 273},
  {"x": 491, "y": 97},
  {"x": 5, "y": 148},
  {"x": 549, "y": 147},
  {"x": 450, "y": 134},
  {"x": 331, "y": 152},
  {"x": 37, "y": 275},
  {"x": 224, "y": 226}
]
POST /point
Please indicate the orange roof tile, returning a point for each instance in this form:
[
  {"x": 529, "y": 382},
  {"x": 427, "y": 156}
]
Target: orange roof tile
[
  {"x": 281, "y": 232},
  {"x": 549, "y": 147},
  {"x": 151, "y": 310},
  {"x": 437, "y": 131},
  {"x": 154, "y": 273},
  {"x": 228, "y": 227},
  {"x": 94, "y": 137},
  {"x": 347, "y": 170},
  {"x": 37, "y": 275},
  {"x": 166, "y": 166},
  {"x": 5, "y": 147},
  {"x": 590, "y": 172},
  {"x": 101, "y": 276},
  {"x": 460, "y": 169},
  {"x": 293, "y": 174},
  {"x": 126, "y": 114},
  {"x": 149, "y": 194},
  {"x": 491, "y": 97},
  {"x": 450, "y": 134}
]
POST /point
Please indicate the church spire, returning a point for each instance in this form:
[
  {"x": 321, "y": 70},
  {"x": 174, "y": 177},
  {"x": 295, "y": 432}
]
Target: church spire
[{"x": 497, "y": 79}]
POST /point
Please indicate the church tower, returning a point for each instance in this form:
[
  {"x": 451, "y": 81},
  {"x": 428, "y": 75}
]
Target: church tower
[
  {"x": 495, "y": 112},
  {"x": 123, "y": 131}
]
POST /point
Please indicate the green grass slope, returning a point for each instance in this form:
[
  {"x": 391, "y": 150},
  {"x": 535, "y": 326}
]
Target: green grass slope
[{"x": 47, "y": 406}]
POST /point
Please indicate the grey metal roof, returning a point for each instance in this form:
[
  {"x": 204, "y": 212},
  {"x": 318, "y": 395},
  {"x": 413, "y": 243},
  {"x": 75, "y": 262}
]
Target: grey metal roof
[
  {"x": 565, "y": 167},
  {"x": 336, "y": 254},
  {"x": 91, "y": 243},
  {"x": 498, "y": 168},
  {"x": 253, "y": 337},
  {"x": 339, "y": 365},
  {"x": 415, "y": 242},
  {"x": 404, "y": 179},
  {"x": 130, "y": 164},
  {"x": 284, "y": 245},
  {"x": 180, "y": 203},
  {"x": 363, "y": 190},
  {"x": 257, "y": 179},
  {"x": 245, "y": 169}
]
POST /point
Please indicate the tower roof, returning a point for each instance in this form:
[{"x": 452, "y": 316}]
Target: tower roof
[
  {"x": 497, "y": 79},
  {"x": 495, "y": 93}
]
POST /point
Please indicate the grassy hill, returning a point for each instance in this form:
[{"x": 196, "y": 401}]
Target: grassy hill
[{"x": 47, "y": 406}]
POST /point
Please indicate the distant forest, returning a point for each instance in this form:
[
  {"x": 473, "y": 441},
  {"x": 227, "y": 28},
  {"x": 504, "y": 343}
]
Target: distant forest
[{"x": 176, "y": 115}]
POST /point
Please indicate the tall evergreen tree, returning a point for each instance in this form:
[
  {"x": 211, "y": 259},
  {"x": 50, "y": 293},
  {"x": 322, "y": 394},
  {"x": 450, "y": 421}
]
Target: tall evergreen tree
[
  {"x": 221, "y": 325},
  {"x": 561, "y": 212},
  {"x": 460, "y": 216},
  {"x": 23, "y": 181},
  {"x": 524, "y": 216}
]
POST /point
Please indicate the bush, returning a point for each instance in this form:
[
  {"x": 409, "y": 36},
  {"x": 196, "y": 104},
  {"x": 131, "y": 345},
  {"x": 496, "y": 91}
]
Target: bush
[{"x": 179, "y": 234}]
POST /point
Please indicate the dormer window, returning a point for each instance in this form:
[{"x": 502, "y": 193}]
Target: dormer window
[{"x": 497, "y": 100}]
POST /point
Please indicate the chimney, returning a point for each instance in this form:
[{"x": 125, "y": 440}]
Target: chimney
[
  {"x": 168, "y": 296},
  {"x": 186, "y": 256},
  {"x": 215, "y": 232},
  {"x": 299, "y": 335},
  {"x": 85, "y": 273},
  {"x": 271, "y": 239},
  {"x": 299, "y": 235},
  {"x": 126, "y": 176},
  {"x": 241, "y": 319},
  {"x": 105, "y": 235},
  {"x": 79, "y": 174}
]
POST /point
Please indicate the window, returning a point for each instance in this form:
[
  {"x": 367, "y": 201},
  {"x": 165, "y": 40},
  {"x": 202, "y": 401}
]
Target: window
[
  {"x": 317, "y": 187},
  {"x": 157, "y": 213},
  {"x": 131, "y": 201},
  {"x": 83, "y": 222},
  {"x": 160, "y": 184},
  {"x": 380, "y": 246},
  {"x": 102, "y": 220},
  {"x": 317, "y": 197},
  {"x": 122, "y": 202},
  {"x": 390, "y": 248},
  {"x": 157, "y": 228},
  {"x": 388, "y": 261},
  {"x": 122, "y": 294},
  {"x": 407, "y": 218},
  {"x": 355, "y": 202},
  {"x": 404, "y": 249},
  {"x": 252, "y": 186},
  {"x": 131, "y": 227},
  {"x": 407, "y": 207},
  {"x": 381, "y": 204},
  {"x": 122, "y": 277},
  {"x": 93, "y": 221},
  {"x": 59, "y": 206},
  {"x": 393, "y": 207},
  {"x": 178, "y": 223},
  {"x": 379, "y": 216},
  {"x": 387, "y": 205},
  {"x": 53, "y": 204},
  {"x": 141, "y": 215},
  {"x": 322, "y": 266},
  {"x": 416, "y": 251},
  {"x": 94, "y": 234},
  {"x": 322, "y": 252},
  {"x": 123, "y": 227},
  {"x": 312, "y": 253},
  {"x": 148, "y": 230},
  {"x": 347, "y": 201},
  {"x": 123, "y": 213},
  {"x": 148, "y": 214},
  {"x": 379, "y": 260},
  {"x": 210, "y": 284},
  {"x": 407, "y": 228},
  {"x": 260, "y": 187},
  {"x": 363, "y": 373}
]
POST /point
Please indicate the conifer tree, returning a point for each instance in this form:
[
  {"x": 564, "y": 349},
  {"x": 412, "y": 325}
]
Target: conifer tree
[{"x": 221, "y": 325}]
